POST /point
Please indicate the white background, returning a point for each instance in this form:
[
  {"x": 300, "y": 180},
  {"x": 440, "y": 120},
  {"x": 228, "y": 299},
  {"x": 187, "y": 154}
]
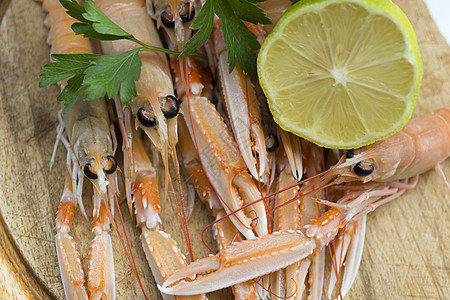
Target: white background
[{"x": 440, "y": 11}]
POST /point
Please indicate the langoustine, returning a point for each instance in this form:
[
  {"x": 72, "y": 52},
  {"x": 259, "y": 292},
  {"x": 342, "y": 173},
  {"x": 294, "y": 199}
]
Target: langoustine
[
  {"x": 220, "y": 179},
  {"x": 386, "y": 176},
  {"x": 90, "y": 146},
  {"x": 159, "y": 122},
  {"x": 86, "y": 132},
  {"x": 218, "y": 151},
  {"x": 155, "y": 108}
]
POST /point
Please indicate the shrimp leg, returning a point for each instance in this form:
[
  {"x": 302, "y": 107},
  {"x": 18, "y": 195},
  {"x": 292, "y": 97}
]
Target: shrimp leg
[
  {"x": 68, "y": 257},
  {"x": 286, "y": 283},
  {"x": 243, "y": 109}
]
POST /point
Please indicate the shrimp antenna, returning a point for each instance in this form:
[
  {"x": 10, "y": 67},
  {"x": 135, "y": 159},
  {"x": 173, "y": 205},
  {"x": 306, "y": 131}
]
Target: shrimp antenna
[
  {"x": 315, "y": 179},
  {"x": 336, "y": 267},
  {"x": 181, "y": 212}
]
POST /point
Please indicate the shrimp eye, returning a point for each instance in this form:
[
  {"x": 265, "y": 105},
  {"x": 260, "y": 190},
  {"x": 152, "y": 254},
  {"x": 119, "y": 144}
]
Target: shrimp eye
[
  {"x": 350, "y": 153},
  {"x": 170, "y": 107},
  {"x": 167, "y": 19},
  {"x": 111, "y": 165},
  {"x": 362, "y": 169},
  {"x": 187, "y": 14},
  {"x": 90, "y": 172},
  {"x": 145, "y": 118},
  {"x": 272, "y": 142}
]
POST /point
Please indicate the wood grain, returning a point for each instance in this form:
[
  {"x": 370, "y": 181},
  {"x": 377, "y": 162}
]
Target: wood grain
[{"x": 406, "y": 254}]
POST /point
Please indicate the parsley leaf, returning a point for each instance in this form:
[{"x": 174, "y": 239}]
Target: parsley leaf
[
  {"x": 239, "y": 40},
  {"x": 100, "y": 22},
  {"x": 88, "y": 32},
  {"x": 248, "y": 11},
  {"x": 94, "y": 75},
  {"x": 72, "y": 92},
  {"x": 94, "y": 23},
  {"x": 109, "y": 72},
  {"x": 204, "y": 22},
  {"x": 74, "y": 9},
  {"x": 64, "y": 66}
]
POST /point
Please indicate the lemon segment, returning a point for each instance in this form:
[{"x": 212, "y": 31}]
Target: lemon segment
[{"x": 341, "y": 73}]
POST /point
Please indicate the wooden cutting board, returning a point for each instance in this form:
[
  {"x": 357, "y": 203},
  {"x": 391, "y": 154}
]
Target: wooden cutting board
[{"x": 406, "y": 253}]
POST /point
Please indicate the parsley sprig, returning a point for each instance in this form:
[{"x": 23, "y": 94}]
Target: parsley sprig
[
  {"x": 239, "y": 40},
  {"x": 95, "y": 76}
]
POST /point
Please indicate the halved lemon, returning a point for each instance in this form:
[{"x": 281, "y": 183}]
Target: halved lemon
[{"x": 341, "y": 73}]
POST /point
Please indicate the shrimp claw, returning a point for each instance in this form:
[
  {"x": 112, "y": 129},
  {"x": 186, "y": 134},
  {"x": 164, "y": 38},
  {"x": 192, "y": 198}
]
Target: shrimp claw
[
  {"x": 249, "y": 259},
  {"x": 68, "y": 257}
]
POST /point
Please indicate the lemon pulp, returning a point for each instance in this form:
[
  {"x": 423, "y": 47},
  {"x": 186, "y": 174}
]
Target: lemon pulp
[{"x": 341, "y": 73}]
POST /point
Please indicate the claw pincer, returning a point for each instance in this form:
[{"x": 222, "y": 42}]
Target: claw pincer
[{"x": 249, "y": 259}]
